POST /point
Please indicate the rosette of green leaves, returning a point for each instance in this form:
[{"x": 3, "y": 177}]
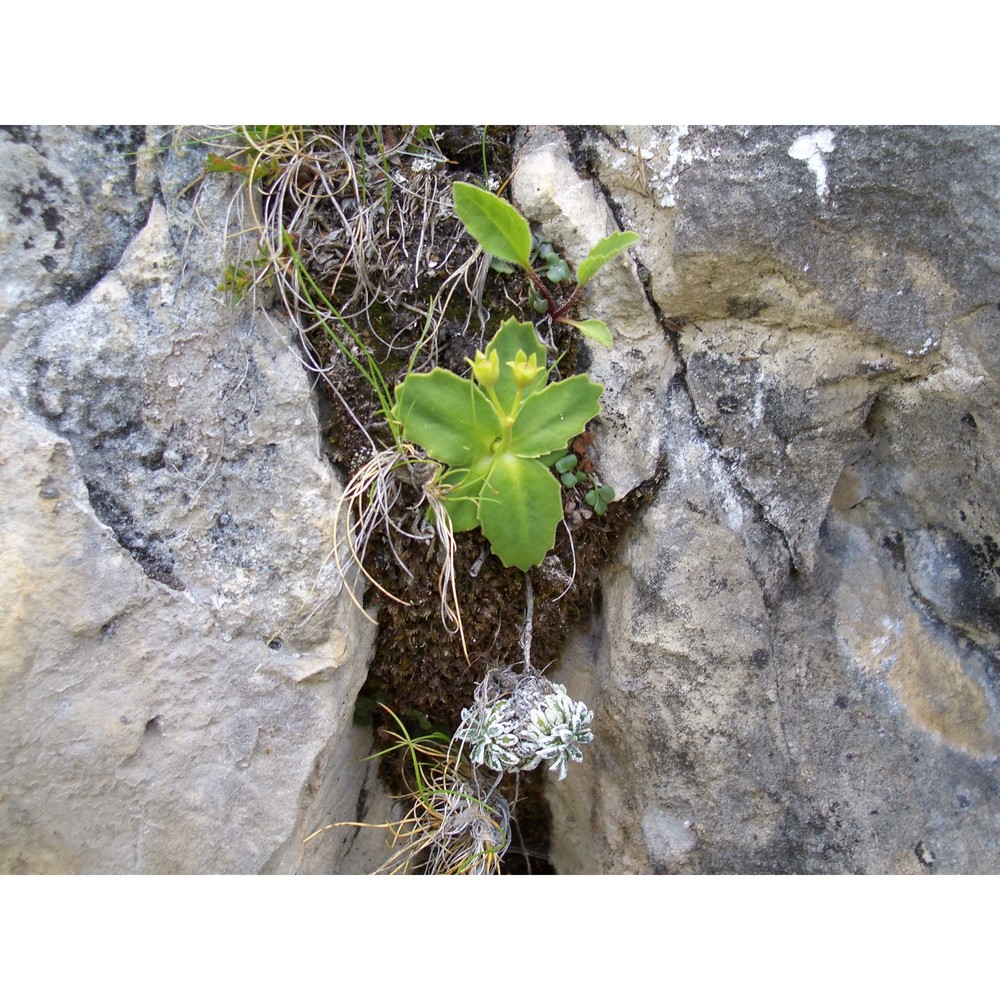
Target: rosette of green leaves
[{"x": 498, "y": 433}]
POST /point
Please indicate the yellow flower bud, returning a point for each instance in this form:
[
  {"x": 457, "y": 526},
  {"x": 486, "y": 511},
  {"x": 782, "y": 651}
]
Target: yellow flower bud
[
  {"x": 486, "y": 370},
  {"x": 525, "y": 370}
]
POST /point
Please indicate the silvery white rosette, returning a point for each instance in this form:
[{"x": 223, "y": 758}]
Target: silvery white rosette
[{"x": 520, "y": 720}]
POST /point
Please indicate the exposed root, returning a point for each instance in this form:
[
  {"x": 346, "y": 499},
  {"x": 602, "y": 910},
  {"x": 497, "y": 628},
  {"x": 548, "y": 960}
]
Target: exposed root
[{"x": 369, "y": 504}]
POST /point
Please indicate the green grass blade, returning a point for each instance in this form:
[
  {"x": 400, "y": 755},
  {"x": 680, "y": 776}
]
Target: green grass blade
[{"x": 370, "y": 371}]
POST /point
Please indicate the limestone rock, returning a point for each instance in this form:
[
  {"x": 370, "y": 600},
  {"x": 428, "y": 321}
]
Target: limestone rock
[
  {"x": 572, "y": 212},
  {"x": 179, "y": 659},
  {"x": 795, "y": 665},
  {"x": 68, "y": 209}
]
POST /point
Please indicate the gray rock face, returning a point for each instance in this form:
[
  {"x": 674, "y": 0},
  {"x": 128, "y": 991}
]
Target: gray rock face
[
  {"x": 179, "y": 662},
  {"x": 69, "y": 210},
  {"x": 795, "y": 667}
]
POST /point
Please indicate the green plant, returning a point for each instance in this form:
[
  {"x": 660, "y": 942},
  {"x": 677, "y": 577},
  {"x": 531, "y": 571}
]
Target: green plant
[
  {"x": 498, "y": 433},
  {"x": 239, "y": 278},
  {"x": 456, "y": 823},
  {"x": 598, "y": 496},
  {"x": 520, "y": 720},
  {"x": 503, "y": 232}
]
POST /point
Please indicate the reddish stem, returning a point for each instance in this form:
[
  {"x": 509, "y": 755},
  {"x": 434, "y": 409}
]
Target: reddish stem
[
  {"x": 550, "y": 302},
  {"x": 565, "y": 308}
]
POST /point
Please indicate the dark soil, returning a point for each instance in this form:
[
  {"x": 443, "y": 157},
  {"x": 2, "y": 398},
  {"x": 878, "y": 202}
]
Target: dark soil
[{"x": 424, "y": 666}]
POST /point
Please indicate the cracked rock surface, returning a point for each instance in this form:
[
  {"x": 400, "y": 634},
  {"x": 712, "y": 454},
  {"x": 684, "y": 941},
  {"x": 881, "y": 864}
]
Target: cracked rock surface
[
  {"x": 178, "y": 663},
  {"x": 795, "y": 665}
]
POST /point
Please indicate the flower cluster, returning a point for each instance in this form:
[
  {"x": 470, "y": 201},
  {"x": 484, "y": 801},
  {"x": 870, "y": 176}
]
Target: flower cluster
[{"x": 537, "y": 722}]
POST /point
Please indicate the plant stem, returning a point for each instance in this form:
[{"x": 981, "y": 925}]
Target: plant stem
[
  {"x": 506, "y": 419},
  {"x": 549, "y": 301},
  {"x": 529, "y": 607},
  {"x": 559, "y": 315}
]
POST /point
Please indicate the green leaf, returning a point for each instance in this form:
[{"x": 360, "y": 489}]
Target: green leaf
[
  {"x": 537, "y": 301},
  {"x": 495, "y": 224},
  {"x": 552, "y": 457},
  {"x": 511, "y": 338},
  {"x": 265, "y": 133},
  {"x": 520, "y": 507},
  {"x": 606, "y": 250},
  {"x": 558, "y": 270},
  {"x": 449, "y": 417},
  {"x": 221, "y": 165},
  {"x": 599, "y": 498},
  {"x": 593, "y": 329},
  {"x": 548, "y": 419},
  {"x": 462, "y": 500},
  {"x": 566, "y": 464}
]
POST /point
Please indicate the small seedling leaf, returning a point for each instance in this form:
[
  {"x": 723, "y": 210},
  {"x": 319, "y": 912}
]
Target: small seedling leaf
[
  {"x": 552, "y": 457},
  {"x": 599, "y": 498},
  {"x": 559, "y": 271},
  {"x": 607, "y": 249},
  {"x": 494, "y": 223},
  {"x": 593, "y": 329},
  {"x": 566, "y": 464}
]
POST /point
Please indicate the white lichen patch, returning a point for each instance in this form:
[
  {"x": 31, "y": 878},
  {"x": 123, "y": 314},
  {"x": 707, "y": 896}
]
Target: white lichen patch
[
  {"x": 811, "y": 148},
  {"x": 665, "y": 155}
]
